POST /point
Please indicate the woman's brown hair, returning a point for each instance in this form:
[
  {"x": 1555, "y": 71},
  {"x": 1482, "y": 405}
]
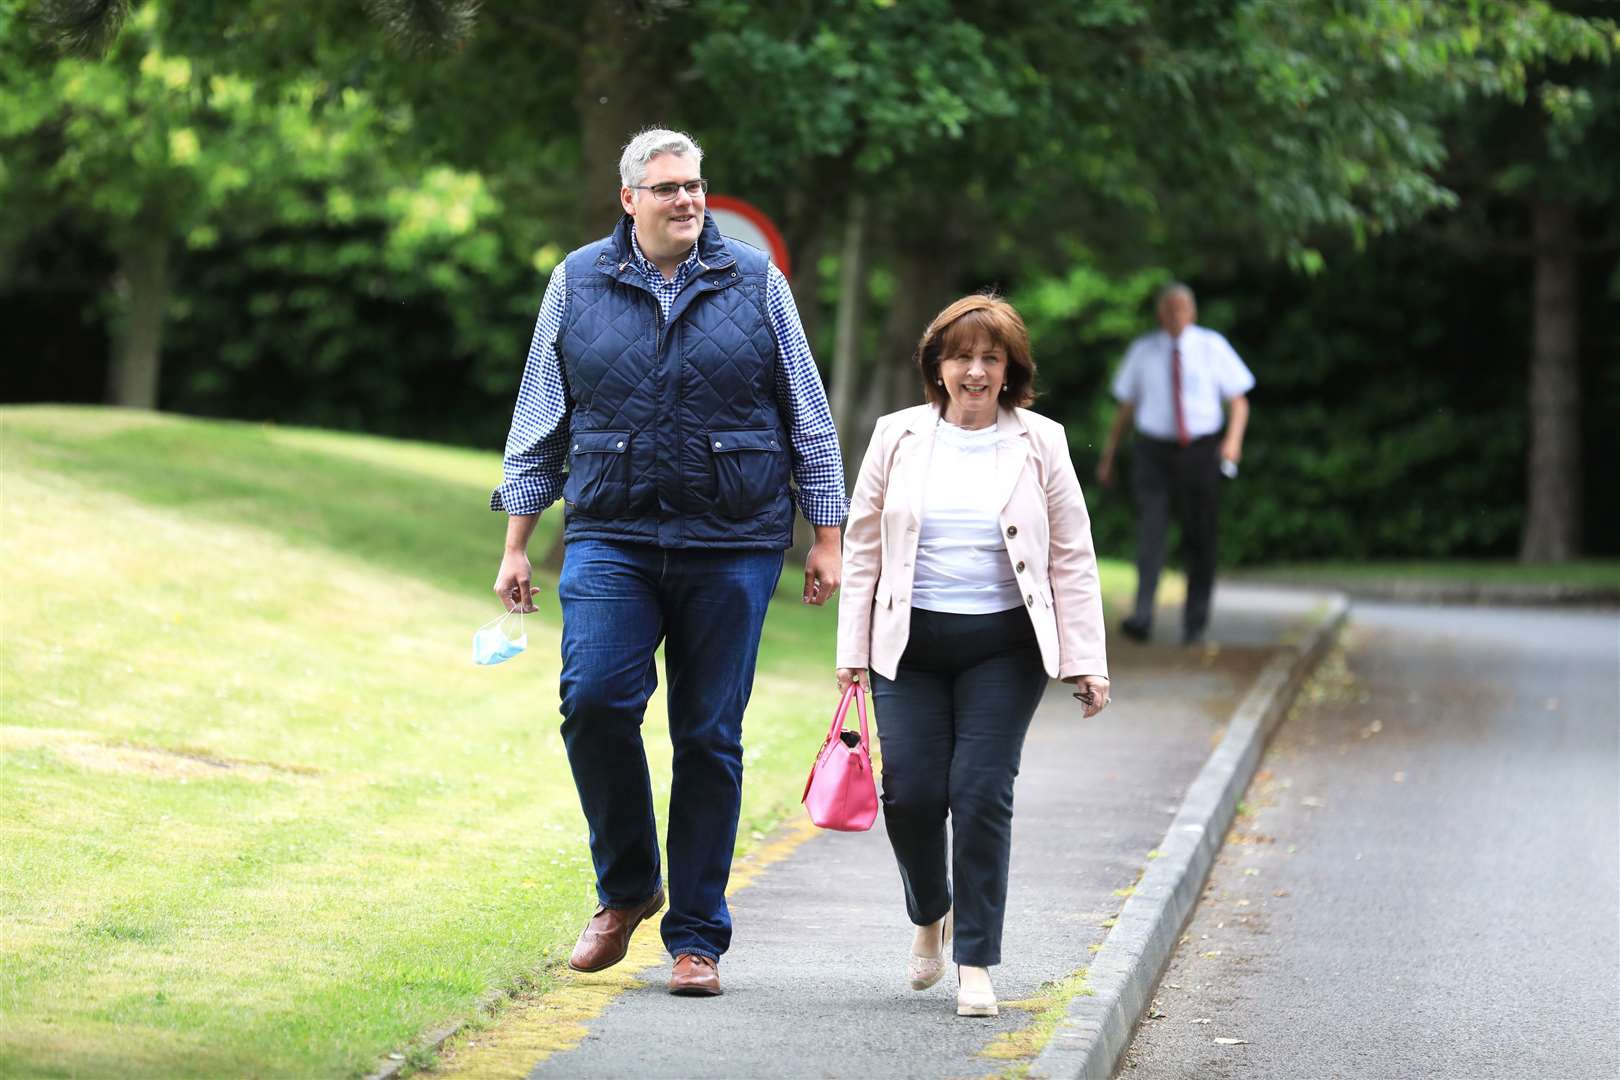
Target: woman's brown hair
[{"x": 957, "y": 325}]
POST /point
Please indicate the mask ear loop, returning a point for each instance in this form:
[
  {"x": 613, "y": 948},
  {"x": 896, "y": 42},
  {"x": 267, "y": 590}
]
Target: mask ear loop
[
  {"x": 500, "y": 620},
  {"x": 518, "y": 611}
]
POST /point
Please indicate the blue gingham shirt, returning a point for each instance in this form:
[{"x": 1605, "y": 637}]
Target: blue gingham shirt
[{"x": 537, "y": 442}]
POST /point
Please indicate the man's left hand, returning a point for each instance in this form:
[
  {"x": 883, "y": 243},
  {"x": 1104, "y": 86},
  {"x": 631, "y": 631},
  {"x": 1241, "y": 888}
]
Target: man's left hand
[
  {"x": 824, "y": 566},
  {"x": 1232, "y": 452}
]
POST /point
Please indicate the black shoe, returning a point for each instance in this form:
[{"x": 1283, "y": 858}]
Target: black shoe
[
  {"x": 1192, "y": 637},
  {"x": 1136, "y": 631}
]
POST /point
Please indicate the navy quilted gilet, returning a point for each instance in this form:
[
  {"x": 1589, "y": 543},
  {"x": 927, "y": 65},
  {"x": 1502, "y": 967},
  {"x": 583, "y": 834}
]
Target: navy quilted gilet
[{"x": 676, "y": 438}]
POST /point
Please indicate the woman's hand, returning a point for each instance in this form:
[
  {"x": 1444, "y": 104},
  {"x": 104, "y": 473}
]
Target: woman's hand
[
  {"x": 1092, "y": 692},
  {"x": 847, "y": 675}
]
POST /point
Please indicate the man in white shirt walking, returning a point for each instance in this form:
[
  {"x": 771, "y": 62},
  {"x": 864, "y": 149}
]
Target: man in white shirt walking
[{"x": 1174, "y": 383}]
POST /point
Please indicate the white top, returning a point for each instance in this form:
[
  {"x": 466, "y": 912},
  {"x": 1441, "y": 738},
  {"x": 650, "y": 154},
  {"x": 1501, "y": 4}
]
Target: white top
[
  {"x": 1211, "y": 373},
  {"x": 962, "y": 563}
]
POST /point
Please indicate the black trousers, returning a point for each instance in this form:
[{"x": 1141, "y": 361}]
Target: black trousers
[
  {"x": 1186, "y": 479},
  {"x": 952, "y": 722}
]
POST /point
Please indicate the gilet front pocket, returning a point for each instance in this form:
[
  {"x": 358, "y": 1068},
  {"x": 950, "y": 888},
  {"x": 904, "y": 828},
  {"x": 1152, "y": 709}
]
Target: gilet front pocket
[
  {"x": 750, "y": 470},
  {"x": 598, "y": 473}
]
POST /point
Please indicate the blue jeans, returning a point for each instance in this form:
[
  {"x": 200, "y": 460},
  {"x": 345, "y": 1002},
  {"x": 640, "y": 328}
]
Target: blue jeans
[{"x": 619, "y": 601}]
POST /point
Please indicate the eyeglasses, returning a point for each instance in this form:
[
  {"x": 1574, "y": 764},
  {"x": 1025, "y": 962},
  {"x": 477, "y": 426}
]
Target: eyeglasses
[{"x": 666, "y": 192}]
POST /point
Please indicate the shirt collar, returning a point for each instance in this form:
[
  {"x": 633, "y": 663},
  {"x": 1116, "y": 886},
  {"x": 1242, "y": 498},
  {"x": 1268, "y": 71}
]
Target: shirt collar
[{"x": 646, "y": 266}]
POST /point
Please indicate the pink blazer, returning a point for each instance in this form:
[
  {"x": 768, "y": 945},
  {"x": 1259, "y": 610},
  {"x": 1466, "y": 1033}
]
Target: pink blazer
[{"x": 1043, "y": 523}]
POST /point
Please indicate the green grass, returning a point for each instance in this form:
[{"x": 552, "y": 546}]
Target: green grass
[
  {"x": 1581, "y": 573},
  {"x": 259, "y": 814}
]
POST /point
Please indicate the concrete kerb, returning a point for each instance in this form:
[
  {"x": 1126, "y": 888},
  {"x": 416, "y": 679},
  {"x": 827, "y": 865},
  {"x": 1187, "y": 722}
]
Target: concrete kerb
[
  {"x": 1484, "y": 593},
  {"x": 1090, "y": 1041},
  {"x": 395, "y": 1063}
]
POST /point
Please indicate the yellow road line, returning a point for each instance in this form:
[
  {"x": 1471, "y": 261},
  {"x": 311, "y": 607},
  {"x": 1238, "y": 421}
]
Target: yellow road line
[{"x": 530, "y": 1030}]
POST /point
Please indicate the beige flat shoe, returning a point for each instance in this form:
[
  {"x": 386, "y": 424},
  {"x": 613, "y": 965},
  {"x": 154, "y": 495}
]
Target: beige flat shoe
[
  {"x": 976, "y": 1001},
  {"x": 924, "y": 971}
]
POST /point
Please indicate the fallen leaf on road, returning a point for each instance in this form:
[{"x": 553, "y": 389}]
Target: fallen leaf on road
[
  {"x": 1156, "y": 1014},
  {"x": 1211, "y": 953},
  {"x": 1251, "y": 872},
  {"x": 1313, "y": 801},
  {"x": 1231, "y": 1042},
  {"x": 1372, "y": 729},
  {"x": 1280, "y": 892},
  {"x": 1202, "y": 1020},
  {"x": 1242, "y": 903}
]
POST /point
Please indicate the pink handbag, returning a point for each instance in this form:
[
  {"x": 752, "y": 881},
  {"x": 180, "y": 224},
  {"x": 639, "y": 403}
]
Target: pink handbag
[{"x": 840, "y": 792}]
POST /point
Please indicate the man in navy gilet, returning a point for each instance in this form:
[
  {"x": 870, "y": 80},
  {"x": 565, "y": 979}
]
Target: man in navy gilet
[{"x": 671, "y": 401}]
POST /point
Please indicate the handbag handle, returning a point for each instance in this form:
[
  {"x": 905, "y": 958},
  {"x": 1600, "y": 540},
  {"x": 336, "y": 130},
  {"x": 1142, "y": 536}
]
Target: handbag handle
[{"x": 853, "y": 691}]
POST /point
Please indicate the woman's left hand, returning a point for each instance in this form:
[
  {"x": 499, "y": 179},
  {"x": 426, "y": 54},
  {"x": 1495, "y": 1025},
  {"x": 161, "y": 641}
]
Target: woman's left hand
[{"x": 1092, "y": 691}]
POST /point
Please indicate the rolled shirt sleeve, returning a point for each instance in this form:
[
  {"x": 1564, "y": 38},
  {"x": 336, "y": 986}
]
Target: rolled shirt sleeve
[
  {"x": 532, "y": 470},
  {"x": 1125, "y": 387},
  {"x": 818, "y": 464},
  {"x": 1232, "y": 376}
]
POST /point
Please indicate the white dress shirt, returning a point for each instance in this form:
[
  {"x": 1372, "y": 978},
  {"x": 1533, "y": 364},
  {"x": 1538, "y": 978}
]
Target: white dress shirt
[{"x": 1211, "y": 373}]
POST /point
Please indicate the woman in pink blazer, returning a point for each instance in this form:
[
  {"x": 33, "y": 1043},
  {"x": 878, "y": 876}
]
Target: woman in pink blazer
[{"x": 969, "y": 581}]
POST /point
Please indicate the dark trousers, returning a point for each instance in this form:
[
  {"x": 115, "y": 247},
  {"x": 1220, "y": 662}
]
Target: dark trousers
[
  {"x": 952, "y": 723},
  {"x": 1166, "y": 477},
  {"x": 618, "y": 602}
]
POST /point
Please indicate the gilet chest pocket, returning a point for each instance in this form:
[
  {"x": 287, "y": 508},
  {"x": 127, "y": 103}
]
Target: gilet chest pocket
[
  {"x": 598, "y": 472},
  {"x": 750, "y": 469}
]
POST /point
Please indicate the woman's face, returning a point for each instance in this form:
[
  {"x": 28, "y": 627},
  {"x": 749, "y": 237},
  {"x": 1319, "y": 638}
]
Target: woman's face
[{"x": 974, "y": 369}]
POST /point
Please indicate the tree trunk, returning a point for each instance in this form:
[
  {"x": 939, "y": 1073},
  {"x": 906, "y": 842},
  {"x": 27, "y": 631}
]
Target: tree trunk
[
  {"x": 925, "y": 281},
  {"x": 851, "y": 312},
  {"x": 802, "y": 230},
  {"x": 143, "y": 272},
  {"x": 620, "y": 73},
  {"x": 1553, "y": 504}
]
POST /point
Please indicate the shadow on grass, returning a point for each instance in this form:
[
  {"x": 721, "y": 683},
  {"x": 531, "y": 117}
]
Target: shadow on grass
[{"x": 408, "y": 521}]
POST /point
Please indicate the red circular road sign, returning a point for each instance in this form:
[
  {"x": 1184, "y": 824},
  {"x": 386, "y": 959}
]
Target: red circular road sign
[{"x": 746, "y": 222}]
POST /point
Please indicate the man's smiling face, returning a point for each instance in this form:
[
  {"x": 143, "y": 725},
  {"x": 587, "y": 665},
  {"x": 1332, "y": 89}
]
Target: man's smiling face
[{"x": 665, "y": 230}]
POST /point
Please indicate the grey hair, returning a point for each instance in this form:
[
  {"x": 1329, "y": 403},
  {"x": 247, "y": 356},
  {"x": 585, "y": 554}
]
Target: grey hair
[
  {"x": 648, "y": 144},
  {"x": 1176, "y": 288}
]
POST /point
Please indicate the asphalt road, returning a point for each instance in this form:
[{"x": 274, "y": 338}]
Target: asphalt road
[{"x": 1425, "y": 879}]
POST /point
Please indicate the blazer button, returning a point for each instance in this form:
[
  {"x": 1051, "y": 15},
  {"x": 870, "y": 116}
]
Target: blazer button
[
  {"x": 1029, "y": 601},
  {"x": 1012, "y": 530},
  {"x": 1019, "y": 569}
]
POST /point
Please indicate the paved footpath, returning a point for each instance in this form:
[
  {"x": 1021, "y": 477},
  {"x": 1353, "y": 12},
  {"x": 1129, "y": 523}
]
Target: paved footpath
[{"x": 815, "y": 980}]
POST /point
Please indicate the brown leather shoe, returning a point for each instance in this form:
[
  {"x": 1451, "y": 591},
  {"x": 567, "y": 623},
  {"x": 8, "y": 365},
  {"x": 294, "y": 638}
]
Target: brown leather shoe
[
  {"x": 606, "y": 938},
  {"x": 695, "y": 976}
]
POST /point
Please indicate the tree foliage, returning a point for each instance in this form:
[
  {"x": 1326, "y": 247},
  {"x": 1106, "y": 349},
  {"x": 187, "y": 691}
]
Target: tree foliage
[{"x": 360, "y": 202}]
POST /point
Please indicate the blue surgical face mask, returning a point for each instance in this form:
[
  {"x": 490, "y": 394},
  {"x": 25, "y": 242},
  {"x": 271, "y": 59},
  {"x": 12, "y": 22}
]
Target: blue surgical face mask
[{"x": 492, "y": 646}]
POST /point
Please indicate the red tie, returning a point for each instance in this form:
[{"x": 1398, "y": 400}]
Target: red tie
[{"x": 1182, "y": 438}]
